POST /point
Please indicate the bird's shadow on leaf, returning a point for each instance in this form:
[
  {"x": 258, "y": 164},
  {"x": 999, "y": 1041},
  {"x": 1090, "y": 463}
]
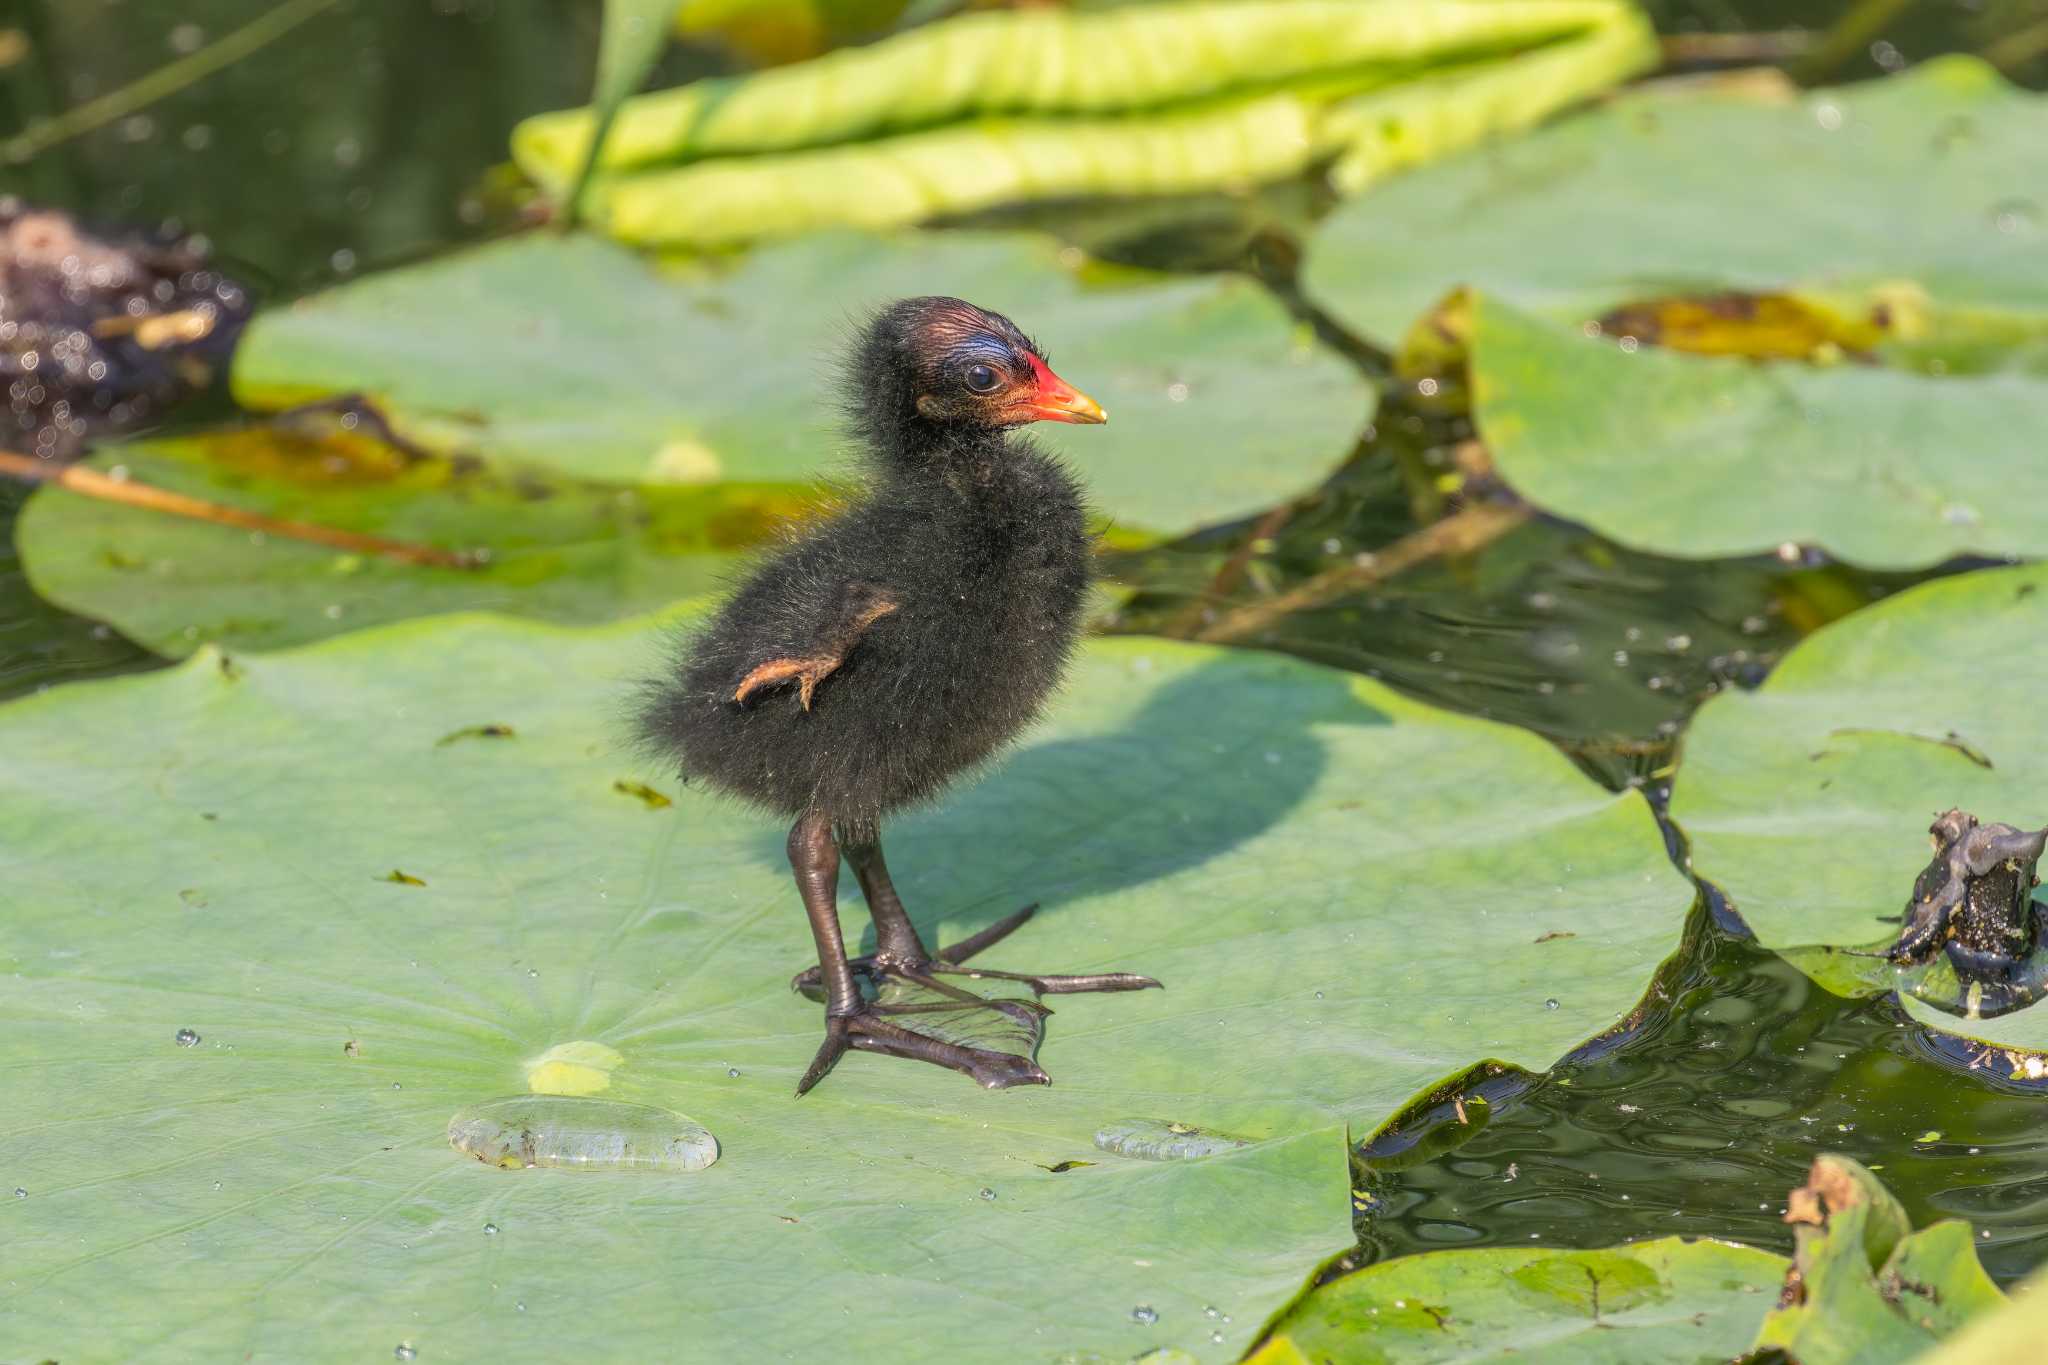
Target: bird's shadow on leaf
[{"x": 1217, "y": 755}]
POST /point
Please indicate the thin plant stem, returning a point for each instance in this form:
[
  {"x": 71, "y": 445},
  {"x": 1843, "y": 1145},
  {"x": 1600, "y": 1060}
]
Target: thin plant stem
[
  {"x": 1851, "y": 34},
  {"x": 1460, "y": 533},
  {"x": 90, "y": 483},
  {"x": 165, "y": 80}
]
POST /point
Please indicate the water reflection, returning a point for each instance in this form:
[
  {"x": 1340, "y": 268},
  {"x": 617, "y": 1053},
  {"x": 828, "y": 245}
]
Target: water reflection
[{"x": 1701, "y": 1123}]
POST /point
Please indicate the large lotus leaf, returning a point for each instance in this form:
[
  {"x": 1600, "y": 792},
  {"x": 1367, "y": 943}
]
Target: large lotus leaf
[
  {"x": 1720, "y": 456},
  {"x": 1928, "y": 180},
  {"x": 1668, "y": 1299},
  {"x": 574, "y": 355},
  {"x": 1808, "y": 800},
  {"x": 553, "y": 548},
  {"x": 1041, "y": 103},
  {"x": 373, "y": 911}
]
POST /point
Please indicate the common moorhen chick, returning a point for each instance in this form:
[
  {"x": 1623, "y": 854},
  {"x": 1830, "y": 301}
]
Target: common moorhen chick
[{"x": 881, "y": 654}]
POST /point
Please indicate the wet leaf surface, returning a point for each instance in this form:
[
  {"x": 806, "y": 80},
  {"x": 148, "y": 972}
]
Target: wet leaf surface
[
  {"x": 1669, "y": 1299},
  {"x": 1930, "y": 181},
  {"x": 574, "y": 356},
  {"x": 1185, "y": 803},
  {"x": 1808, "y": 800},
  {"x": 1719, "y": 456},
  {"x": 553, "y": 547}
]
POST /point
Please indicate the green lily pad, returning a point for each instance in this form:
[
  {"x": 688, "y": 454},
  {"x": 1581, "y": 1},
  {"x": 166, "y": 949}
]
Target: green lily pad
[
  {"x": 409, "y": 871},
  {"x": 554, "y": 548},
  {"x": 572, "y": 355},
  {"x": 1719, "y": 456},
  {"x": 1669, "y": 1299},
  {"x": 1862, "y": 1288},
  {"x": 1807, "y": 801},
  {"x": 1930, "y": 179}
]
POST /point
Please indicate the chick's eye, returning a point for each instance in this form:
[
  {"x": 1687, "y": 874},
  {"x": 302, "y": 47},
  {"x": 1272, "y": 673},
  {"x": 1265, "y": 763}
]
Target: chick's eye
[{"x": 981, "y": 378}]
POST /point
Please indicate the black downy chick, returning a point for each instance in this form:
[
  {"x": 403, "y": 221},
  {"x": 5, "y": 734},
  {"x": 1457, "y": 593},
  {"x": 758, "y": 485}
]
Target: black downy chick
[{"x": 901, "y": 643}]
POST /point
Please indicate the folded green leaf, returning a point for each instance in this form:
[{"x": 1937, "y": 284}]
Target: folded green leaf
[{"x": 994, "y": 108}]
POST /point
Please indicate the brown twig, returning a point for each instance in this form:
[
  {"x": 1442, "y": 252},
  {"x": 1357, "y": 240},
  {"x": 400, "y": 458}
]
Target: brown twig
[
  {"x": 1459, "y": 533},
  {"x": 2018, "y": 48},
  {"x": 1188, "y": 619},
  {"x": 1735, "y": 49},
  {"x": 90, "y": 483}
]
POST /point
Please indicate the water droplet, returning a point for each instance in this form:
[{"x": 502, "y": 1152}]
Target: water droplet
[
  {"x": 1144, "y": 1315},
  {"x": 216, "y": 1184},
  {"x": 733, "y": 1072},
  {"x": 20, "y": 1193},
  {"x": 1551, "y": 1005},
  {"x": 1216, "y": 1337},
  {"x": 533, "y": 973},
  {"x": 596, "y": 1135},
  {"x": 1319, "y": 995},
  {"x": 404, "y": 1351},
  {"x": 1212, "y": 1311},
  {"x": 520, "y": 1305},
  {"x": 490, "y": 1229},
  {"x": 987, "y": 1193},
  {"x": 186, "y": 1037},
  {"x": 1159, "y": 1140},
  {"x": 396, "y": 1086}
]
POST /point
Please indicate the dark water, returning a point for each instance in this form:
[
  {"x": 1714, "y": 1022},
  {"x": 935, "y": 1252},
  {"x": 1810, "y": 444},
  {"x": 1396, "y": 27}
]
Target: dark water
[{"x": 366, "y": 137}]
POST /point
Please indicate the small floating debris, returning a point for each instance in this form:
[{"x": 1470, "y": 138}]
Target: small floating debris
[
  {"x": 1160, "y": 1140},
  {"x": 647, "y": 795},
  {"x": 475, "y": 732},
  {"x": 593, "y": 1135}
]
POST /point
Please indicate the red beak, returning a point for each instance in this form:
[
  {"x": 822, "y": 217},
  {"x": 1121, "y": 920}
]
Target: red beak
[{"x": 1055, "y": 400}]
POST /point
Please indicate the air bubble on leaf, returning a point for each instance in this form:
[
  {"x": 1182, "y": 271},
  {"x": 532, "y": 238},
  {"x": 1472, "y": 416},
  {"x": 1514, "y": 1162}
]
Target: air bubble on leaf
[
  {"x": 1160, "y": 1140},
  {"x": 186, "y": 1037},
  {"x": 581, "y": 1134}
]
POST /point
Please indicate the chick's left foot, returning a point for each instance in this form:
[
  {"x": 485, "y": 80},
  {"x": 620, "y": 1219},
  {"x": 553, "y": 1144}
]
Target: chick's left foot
[
  {"x": 948, "y": 961},
  {"x": 868, "y": 1029}
]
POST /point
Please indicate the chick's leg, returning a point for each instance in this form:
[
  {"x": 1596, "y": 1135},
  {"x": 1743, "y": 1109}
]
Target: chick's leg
[{"x": 850, "y": 1019}]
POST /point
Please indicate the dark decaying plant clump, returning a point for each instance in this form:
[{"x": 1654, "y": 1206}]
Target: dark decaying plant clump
[{"x": 99, "y": 334}]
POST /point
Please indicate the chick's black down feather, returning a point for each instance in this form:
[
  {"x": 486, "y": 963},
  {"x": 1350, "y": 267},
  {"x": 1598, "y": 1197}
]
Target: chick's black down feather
[{"x": 970, "y": 541}]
